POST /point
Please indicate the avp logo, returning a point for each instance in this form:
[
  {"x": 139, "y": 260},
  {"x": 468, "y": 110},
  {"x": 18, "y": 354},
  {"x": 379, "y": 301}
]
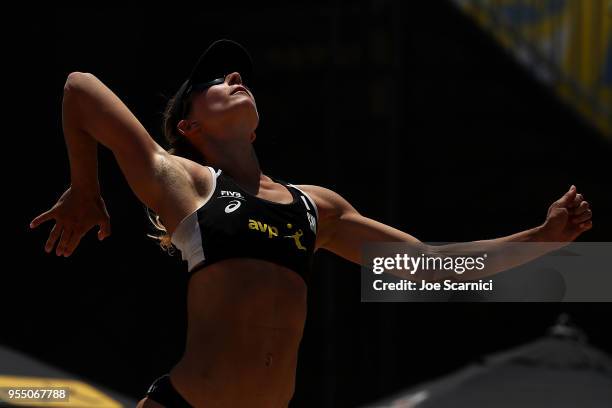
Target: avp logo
[
  {"x": 232, "y": 206},
  {"x": 272, "y": 232},
  {"x": 232, "y": 194},
  {"x": 296, "y": 239},
  {"x": 263, "y": 227}
]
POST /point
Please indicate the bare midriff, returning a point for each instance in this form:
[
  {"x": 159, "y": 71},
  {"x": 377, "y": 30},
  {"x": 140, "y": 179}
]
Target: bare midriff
[{"x": 245, "y": 323}]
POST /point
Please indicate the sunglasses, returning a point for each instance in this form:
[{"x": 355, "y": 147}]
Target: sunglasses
[{"x": 200, "y": 86}]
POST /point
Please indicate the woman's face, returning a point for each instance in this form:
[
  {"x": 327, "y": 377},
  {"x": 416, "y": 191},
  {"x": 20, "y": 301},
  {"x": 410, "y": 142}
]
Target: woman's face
[{"x": 227, "y": 105}]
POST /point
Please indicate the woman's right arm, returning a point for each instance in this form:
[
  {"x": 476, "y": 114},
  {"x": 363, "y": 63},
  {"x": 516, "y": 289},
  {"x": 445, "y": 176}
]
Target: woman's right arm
[{"x": 93, "y": 114}]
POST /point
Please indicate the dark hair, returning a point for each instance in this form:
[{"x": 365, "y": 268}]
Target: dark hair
[{"x": 176, "y": 109}]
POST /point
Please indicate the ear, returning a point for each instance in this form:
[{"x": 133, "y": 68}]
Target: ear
[
  {"x": 187, "y": 127},
  {"x": 253, "y": 137}
]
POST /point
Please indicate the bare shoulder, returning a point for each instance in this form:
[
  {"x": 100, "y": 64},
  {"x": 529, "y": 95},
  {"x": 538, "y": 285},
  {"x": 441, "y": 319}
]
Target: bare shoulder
[
  {"x": 331, "y": 207},
  {"x": 329, "y": 203}
]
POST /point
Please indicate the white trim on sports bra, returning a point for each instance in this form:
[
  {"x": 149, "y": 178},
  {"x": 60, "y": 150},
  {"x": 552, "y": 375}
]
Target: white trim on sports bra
[
  {"x": 187, "y": 237},
  {"x": 308, "y": 197}
]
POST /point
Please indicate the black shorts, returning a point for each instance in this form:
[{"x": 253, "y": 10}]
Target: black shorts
[{"x": 163, "y": 392}]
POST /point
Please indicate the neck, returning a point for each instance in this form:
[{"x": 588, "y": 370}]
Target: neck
[{"x": 237, "y": 158}]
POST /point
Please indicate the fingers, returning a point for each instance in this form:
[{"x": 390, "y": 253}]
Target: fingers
[
  {"x": 580, "y": 209},
  {"x": 577, "y": 201},
  {"x": 105, "y": 230},
  {"x": 569, "y": 197},
  {"x": 66, "y": 234},
  {"x": 53, "y": 236},
  {"x": 46, "y": 216},
  {"x": 583, "y": 217},
  {"x": 72, "y": 243},
  {"x": 582, "y": 213}
]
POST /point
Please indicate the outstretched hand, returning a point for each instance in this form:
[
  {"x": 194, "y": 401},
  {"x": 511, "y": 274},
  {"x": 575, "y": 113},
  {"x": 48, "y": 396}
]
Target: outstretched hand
[
  {"x": 75, "y": 213},
  {"x": 568, "y": 217}
]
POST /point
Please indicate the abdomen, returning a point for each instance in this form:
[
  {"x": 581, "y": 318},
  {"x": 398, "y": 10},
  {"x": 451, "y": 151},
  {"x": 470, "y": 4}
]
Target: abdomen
[{"x": 245, "y": 324}]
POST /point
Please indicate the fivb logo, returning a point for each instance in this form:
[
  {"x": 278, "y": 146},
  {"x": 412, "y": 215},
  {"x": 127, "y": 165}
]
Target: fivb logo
[{"x": 232, "y": 194}]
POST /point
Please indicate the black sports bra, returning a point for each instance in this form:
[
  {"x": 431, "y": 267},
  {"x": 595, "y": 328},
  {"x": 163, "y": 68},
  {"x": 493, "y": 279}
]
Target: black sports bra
[{"x": 235, "y": 224}]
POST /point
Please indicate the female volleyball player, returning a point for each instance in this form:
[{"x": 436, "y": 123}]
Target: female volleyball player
[{"x": 248, "y": 238}]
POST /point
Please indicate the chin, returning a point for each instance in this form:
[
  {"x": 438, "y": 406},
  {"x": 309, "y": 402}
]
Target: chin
[{"x": 251, "y": 116}]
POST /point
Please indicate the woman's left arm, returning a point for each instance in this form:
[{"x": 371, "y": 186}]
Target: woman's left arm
[{"x": 343, "y": 230}]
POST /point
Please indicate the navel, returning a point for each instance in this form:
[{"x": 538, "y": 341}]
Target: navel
[{"x": 268, "y": 359}]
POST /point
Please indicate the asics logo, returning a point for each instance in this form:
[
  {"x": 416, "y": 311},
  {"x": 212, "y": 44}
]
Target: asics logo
[{"x": 232, "y": 206}]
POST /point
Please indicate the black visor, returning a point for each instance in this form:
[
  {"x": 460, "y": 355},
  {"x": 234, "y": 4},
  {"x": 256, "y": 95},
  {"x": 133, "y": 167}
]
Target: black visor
[{"x": 221, "y": 58}]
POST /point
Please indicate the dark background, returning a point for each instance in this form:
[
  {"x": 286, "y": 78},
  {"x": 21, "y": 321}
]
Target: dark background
[{"x": 407, "y": 109}]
